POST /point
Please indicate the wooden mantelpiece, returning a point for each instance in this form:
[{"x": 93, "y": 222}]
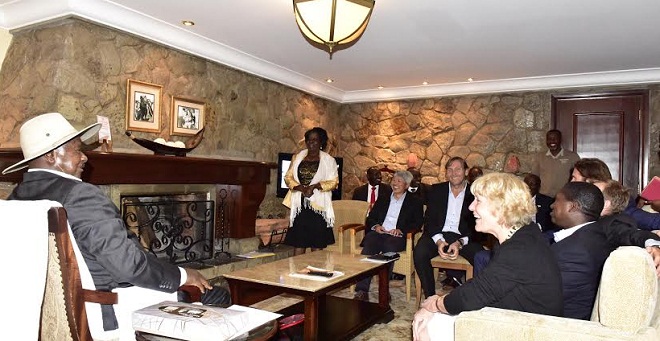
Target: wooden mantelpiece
[{"x": 242, "y": 182}]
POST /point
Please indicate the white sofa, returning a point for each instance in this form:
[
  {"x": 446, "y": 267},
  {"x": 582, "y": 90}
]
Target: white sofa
[{"x": 626, "y": 309}]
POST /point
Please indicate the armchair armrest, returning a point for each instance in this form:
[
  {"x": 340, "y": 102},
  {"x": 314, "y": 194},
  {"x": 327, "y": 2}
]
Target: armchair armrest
[
  {"x": 411, "y": 235},
  {"x": 482, "y": 324},
  {"x": 345, "y": 227}
]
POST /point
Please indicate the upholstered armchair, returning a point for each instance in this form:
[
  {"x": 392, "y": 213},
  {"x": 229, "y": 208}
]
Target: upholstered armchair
[
  {"x": 51, "y": 305},
  {"x": 626, "y": 308}
]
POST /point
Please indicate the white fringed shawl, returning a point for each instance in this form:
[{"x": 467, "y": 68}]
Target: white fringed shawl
[{"x": 321, "y": 201}]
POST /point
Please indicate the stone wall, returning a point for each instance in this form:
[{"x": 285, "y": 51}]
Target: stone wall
[
  {"x": 483, "y": 129},
  {"x": 80, "y": 69}
]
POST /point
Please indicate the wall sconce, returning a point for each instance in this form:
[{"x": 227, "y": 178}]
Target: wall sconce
[{"x": 332, "y": 25}]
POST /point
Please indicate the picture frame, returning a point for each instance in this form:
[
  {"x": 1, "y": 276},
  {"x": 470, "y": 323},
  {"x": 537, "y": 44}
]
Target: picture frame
[
  {"x": 143, "y": 102},
  {"x": 187, "y": 116}
]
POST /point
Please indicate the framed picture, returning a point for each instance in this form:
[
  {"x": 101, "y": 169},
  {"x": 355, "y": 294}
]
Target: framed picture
[
  {"x": 187, "y": 116},
  {"x": 143, "y": 106}
]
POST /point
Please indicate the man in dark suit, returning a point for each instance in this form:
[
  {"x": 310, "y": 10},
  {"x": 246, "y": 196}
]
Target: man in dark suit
[
  {"x": 542, "y": 202},
  {"x": 373, "y": 189},
  {"x": 448, "y": 226},
  {"x": 388, "y": 223},
  {"x": 585, "y": 242},
  {"x": 417, "y": 188},
  {"x": 52, "y": 150}
]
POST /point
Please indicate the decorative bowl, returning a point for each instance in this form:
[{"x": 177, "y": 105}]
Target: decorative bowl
[{"x": 159, "y": 148}]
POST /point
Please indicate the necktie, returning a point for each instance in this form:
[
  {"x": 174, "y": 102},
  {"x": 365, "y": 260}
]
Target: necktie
[{"x": 372, "y": 199}]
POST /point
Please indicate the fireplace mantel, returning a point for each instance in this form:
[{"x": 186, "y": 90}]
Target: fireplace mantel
[{"x": 246, "y": 181}]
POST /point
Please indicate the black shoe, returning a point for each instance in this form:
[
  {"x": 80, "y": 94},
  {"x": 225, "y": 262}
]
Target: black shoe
[
  {"x": 361, "y": 296},
  {"x": 397, "y": 277},
  {"x": 451, "y": 283}
]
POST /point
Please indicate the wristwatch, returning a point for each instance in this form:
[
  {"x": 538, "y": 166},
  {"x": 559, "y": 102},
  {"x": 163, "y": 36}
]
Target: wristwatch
[{"x": 460, "y": 244}]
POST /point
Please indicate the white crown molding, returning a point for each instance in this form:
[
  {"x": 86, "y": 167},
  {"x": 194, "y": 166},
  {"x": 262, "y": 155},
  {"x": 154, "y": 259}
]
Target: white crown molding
[
  {"x": 23, "y": 13},
  {"x": 610, "y": 78}
]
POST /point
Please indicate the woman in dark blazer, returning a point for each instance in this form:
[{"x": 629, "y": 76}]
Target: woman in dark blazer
[{"x": 523, "y": 274}]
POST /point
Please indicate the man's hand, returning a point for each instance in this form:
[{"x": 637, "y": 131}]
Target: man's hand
[
  {"x": 195, "y": 278},
  {"x": 396, "y": 233},
  {"x": 379, "y": 229},
  {"x": 655, "y": 205},
  {"x": 655, "y": 254},
  {"x": 452, "y": 250}
]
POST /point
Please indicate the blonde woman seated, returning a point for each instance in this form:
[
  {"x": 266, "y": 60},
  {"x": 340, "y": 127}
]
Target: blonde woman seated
[{"x": 523, "y": 274}]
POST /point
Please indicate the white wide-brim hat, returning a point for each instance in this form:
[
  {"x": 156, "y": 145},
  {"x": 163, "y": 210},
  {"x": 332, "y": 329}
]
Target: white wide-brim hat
[{"x": 45, "y": 133}]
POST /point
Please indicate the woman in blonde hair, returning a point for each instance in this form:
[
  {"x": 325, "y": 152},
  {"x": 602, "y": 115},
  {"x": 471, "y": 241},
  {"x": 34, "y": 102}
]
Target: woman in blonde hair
[{"x": 522, "y": 275}]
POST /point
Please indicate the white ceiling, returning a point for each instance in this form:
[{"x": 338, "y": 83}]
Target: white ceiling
[{"x": 505, "y": 45}]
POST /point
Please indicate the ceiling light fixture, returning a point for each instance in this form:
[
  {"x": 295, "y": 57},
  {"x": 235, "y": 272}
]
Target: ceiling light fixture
[
  {"x": 188, "y": 23},
  {"x": 329, "y": 80},
  {"x": 470, "y": 80},
  {"x": 380, "y": 87},
  {"x": 425, "y": 83},
  {"x": 332, "y": 25}
]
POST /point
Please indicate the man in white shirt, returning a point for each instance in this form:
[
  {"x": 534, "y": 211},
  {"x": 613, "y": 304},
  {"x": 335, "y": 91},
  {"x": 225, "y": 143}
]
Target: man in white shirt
[
  {"x": 374, "y": 189},
  {"x": 448, "y": 226}
]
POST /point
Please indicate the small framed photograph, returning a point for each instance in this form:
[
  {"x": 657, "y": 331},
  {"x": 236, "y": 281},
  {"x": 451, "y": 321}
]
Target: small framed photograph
[
  {"x": 143, "y": 106},
  {"x": 187, "y": 116}
]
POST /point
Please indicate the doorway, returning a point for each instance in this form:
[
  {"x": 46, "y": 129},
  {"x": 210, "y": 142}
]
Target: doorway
[{"x": 611, "y": 127}]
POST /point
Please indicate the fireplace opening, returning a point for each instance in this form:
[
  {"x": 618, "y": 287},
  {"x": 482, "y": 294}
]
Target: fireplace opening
[{"x": 178, "y": 228}]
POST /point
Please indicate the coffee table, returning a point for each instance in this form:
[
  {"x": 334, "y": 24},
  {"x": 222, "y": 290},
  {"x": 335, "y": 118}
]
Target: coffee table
[{"x": 327, "y": 317}]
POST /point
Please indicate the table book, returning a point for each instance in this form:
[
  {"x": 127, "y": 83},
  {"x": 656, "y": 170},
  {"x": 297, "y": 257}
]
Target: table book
[
  {"x": 198, "y": 322},
  {"x": 382, "y": 257},
  {"x": 652, "y": 191}
]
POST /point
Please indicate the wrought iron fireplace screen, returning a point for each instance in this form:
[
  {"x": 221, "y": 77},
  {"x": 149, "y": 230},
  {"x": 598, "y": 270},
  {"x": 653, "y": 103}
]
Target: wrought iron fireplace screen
[{"x": 177, "y": 228}]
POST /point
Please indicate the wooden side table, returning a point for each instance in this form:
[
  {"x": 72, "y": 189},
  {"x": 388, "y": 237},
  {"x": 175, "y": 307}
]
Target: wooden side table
[{"x": 459, "y": 263}]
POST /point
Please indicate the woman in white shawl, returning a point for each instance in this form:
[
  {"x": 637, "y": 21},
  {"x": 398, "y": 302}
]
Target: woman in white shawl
[{"x": 311, "y": 178}]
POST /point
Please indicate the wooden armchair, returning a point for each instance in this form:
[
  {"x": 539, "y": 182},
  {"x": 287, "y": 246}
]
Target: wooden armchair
[
  {"x": 348, "y": 214},
  {"x": 404, "y": 265},
  {"x": 63, "y": 314}
]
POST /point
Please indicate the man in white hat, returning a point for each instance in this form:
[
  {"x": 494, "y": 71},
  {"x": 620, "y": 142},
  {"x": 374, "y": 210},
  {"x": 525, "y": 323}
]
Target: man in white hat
[{"x": 51, "y": 150}]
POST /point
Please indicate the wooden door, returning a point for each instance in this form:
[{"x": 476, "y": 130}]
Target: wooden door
[{"x": 609, "y": 127}]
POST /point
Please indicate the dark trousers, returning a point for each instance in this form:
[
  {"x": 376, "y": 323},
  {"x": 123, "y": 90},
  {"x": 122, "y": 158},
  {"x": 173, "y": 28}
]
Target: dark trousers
[
  {"x": 481, "y": 260},
  {"x": 374, "y": 243},
  {"x": 425, "y": 250}
]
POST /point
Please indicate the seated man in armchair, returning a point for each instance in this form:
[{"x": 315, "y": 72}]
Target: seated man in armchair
[
  {"x": 52, "y": 150},
  {"x": 387, "y": 224}
]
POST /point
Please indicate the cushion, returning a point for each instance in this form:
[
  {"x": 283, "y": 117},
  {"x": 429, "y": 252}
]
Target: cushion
[{"x": 628, "y": 290}]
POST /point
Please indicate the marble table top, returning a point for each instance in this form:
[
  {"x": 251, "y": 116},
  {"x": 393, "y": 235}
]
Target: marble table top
[{"x": 277, "y": 273}]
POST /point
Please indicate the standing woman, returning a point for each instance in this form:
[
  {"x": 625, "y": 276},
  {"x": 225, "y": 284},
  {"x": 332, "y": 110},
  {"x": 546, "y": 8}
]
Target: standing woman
[{"x": 311, "y": 178}]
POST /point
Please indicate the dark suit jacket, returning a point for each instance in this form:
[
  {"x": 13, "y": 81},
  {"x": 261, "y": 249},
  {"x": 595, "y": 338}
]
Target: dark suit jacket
[
  {"x": 422, "y": 193},
  {"x": 581, "y": 257},
  {"x": 543, "y": 210},
  {"x": 113, "y": 255},
  {"x": 436, "y": 212},
  {"x": 410, "y": 218},
  {"x": 360, "y": 193}
]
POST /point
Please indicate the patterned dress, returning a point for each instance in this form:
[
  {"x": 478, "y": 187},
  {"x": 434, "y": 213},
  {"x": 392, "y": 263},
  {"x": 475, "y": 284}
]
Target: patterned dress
[{"x": 309, "y": 228}]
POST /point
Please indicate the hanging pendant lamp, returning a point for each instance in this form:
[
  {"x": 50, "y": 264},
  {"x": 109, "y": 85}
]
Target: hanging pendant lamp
[{"x": 332, "y": 25}]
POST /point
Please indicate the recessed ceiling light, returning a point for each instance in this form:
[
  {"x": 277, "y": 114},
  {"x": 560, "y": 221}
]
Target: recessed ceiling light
[
  {"x": 380, "y": 87},
  {"x": 329, "y": 80},
  {"x": 425, "y": 83},
  {"x": 470, "y": 80},
  {"x": 188, "y": 23}
]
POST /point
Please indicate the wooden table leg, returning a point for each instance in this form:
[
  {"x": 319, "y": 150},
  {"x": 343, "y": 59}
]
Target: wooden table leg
[
  {"x": 311, "y": 329},
  {"x": 383, "y": 287}
]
